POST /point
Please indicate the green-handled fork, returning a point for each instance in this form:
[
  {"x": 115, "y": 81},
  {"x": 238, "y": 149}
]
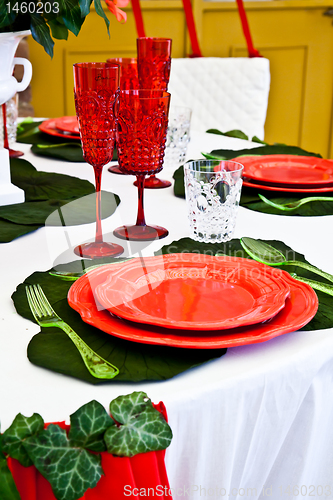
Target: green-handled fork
[
  {"x": 289, "y": 207},
  {"x": 45, "y": 316}
]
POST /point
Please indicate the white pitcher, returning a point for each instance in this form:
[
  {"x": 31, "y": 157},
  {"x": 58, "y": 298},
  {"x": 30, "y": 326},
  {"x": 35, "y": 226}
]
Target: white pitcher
[
  {"x": 8, "y": 83},
  {"x": 9, "y": 193}
]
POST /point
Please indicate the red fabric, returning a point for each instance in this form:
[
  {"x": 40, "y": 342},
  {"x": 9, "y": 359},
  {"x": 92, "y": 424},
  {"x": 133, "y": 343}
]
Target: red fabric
[
  {"x": 139, "y": 473},
  {"x": 138, "y": 18},
  {"x": 246, "y": 30},
  {"x": 196, "y": 52}
]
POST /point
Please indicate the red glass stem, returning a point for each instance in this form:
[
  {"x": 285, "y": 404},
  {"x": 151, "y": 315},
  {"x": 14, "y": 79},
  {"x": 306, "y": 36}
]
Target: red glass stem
[
  {"x": 4, "y": 121},
  {"x": 140, "y": 221},
  {"x": 98, "y": 178}
]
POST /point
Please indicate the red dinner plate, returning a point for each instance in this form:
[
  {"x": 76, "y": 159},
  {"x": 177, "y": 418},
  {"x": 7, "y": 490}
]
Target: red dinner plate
[
  {"x": 300, "y": 307},
  {"x": 292, "y": 170},
  {"x": 193, "y": 292},
  {"x": 68, "y": 124},
  {"x": 286, "y": 189},
  {"x": 49, "y": 127}
]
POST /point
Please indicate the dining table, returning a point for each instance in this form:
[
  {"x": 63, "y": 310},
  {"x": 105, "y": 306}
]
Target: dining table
[{"x": 253, "y": 423}]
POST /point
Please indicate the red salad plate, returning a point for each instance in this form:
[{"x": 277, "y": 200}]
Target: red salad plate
[
  {"x": 68, "y": 124},
  {"x": 193, "y": 291},
  {"x": 290, "y": 170},
  {"x": 300, "y": 307},
  {"x": 49, "y": 127},
  {"x": 286, "y": 189}
]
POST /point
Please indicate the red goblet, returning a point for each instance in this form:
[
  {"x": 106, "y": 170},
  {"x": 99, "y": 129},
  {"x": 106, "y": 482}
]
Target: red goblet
[
  {"x": 128, "y": 80},
  {"x": 141, "y": 136},
  {"x": 12, "y": 152},
  {"x": 154, "y": 62},
  {"x": 96, "y": 90}
]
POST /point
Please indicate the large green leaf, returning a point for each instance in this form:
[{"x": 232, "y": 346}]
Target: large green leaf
[
  {"x": 273, "y": 149},
  {"x": 85, "y": 7},
  {"x": 70, "y": 13},
  {"x": 40, "y": 186},
  {"x": 324, "y": 317},
  {"x": 101, "y": 13},
  {"x": 60, "y": 212},
  {"x": 141, "y": 429},
  {"x": 88, "y": 425},
  {"x": 28, "y": 133},
  {"x": 64, "y": 151},
  {"x": 238, "y": 134},
  {"x": 70, "y": 200},
  {"x": 70, "y": 470},
  {"x": 9, "y": 231},
  {"x": 58, "y": 29},
  {"x": 7, "y": 15},
  {"x": 54, "y": 350},
  {"x": 41, "y": 33},
  {"x": 14, "y": 437}
]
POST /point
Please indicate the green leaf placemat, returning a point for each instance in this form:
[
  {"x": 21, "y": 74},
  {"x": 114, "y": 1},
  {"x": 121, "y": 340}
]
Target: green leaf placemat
[
  {"x": 250, "y": 198},
  {"x": 29, "y": 133},
  {"x": 53, "y": 349},
  {"x": 64, "y": 196},
  {"x": 323, "y": 318},
  {"x": 60, "y": 148},
  {"x": 64, "y": 151}
]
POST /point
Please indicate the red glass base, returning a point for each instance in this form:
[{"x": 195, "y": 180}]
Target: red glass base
[
  {"x": 141, "y": 233},
  {"x": 153, "y": 182},
  {"x": 15, "y": 154},
  {"x": 96, "y": 250},
  {"x": 114, "y": 169}
]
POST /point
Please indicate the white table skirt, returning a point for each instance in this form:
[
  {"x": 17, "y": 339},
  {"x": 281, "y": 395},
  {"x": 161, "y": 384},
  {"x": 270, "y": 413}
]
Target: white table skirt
[{"x": 248, "y": 425}]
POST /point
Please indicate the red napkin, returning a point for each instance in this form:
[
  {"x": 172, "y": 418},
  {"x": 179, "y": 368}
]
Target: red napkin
[{"x": 123, "y": 476}]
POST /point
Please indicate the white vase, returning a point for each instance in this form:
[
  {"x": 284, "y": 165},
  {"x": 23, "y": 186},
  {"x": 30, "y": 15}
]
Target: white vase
[{"x": 10, "y": 194}]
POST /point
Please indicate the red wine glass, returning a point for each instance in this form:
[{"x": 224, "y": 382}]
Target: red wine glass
[
  {"x": 141, "y": 137},
  {"x": 128, "y": 80},
  {"x": 154, "y": 63},
  {"x": 12, "y": 152},
  {"x": 96, "y": 90}
]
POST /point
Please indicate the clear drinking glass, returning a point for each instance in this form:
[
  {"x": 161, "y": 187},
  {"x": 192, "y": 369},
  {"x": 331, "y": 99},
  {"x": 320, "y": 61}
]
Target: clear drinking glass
[
  {"x": 213, "y": 190},
  {"x": 178, "y": 136}
]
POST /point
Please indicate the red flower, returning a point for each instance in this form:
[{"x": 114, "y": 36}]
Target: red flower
[{"x": 112, "y": 6}]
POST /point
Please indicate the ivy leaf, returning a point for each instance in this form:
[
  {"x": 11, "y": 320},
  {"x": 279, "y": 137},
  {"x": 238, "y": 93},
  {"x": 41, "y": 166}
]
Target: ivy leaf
[
  {"x": 8, "y": 490},
  {"x": 88, "y": 425},
  {"x": 58, "y": 29},
  {"x": 85, "y": 7},
  {"x": 70, "y": 470},
  {"x": 141, "y": 429},
  {"x": 21, "y": 429},
  {"x": 41, "y": 33},
  {"x": 100, "y": 12},
  {"x": 70, "y": 13}
]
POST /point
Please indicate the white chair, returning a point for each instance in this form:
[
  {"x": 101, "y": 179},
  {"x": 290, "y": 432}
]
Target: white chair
[{"x": 223, "y": 93}]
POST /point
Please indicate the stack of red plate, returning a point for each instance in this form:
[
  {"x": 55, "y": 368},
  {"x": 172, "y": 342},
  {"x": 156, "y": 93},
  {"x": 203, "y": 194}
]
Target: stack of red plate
[
  {"x": 66, "y": 127},
  {"x": 193, "y": 301},
  {"x": 288, "y": 173}
]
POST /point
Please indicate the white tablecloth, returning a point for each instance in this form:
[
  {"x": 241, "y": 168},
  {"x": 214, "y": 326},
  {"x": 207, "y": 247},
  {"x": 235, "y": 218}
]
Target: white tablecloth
[{"x": 249, "y": 425}]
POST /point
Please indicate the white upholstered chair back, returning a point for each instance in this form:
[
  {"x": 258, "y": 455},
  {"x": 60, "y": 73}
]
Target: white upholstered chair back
[{"x": 223, "y": 93}]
